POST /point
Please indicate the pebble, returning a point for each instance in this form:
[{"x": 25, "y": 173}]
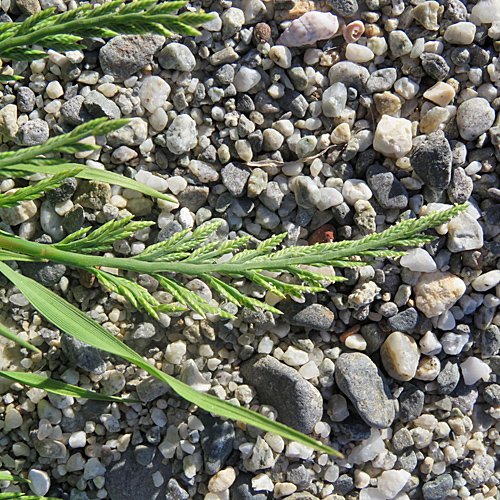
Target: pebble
[
  {"x": 460, "y": 33},
  {"x": 281, "y": 55},
  {"x": 438, "y": 488},
  {"x": 132, "y": 134},
  {"x": 153, "y": 92},
  {"x": 82, "y": 355},
  {"x": 246, "y": 78},
  {"x": 387, "y": 189},
  {"x": 124, "y": 55},
  {"x": 350, "y": 74},
  {"x": 474, "y": 117},
  {"x": 464, "y": 233},
  {"x": 391, "y": 482},
  {"x": 400, "y": 356},
  {"x": 393, "y": 137},
  {"x": 436, "y": 292},
  {"x": 299, "y": 404},
  {"x": 13, "y": 216},
  {"x": 359, "y": 379},
  {"x": 434, "y": 65},
  {"x": 418, "y": 260},
  {"x": 307, "y": 194},
  {"x": 33, "y": 133},
  {"x": 39, "y": 482},
  {"x": 181, "y": 135},
  {"x": 473, "y": 370},
  {"x": 216, "y": 440},
  {"x": 334, "y": 100},
  {"x": 441, "y": 94}
]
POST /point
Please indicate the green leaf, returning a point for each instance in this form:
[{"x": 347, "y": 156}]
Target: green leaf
[
  {"x": 7, "y": 476},
  {"x": 9, "y": 334},
  {"x": 31, "y": 21},
  {"x": 61, "y": 388},
  {"x": 71, "y": 320},
  {"x": 10, "y": 78},
  {"x": 23, "y": 54}
]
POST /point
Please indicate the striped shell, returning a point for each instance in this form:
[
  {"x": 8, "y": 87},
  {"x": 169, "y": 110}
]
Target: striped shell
[
  {"x": 309, "y": 28},
  {"x": 353, "y": 31}
]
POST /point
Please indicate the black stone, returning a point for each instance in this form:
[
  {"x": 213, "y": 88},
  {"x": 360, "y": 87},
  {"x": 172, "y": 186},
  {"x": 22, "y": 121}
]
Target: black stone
[
  {"x": 435, "y": 65},
  {"x": 45, "y": 273},
  {"x": 82, "y": 355},
  {"x": 64, "y": 192},
  {"x": 216, "y": 442},
  {"x": 411, "y": 403}
]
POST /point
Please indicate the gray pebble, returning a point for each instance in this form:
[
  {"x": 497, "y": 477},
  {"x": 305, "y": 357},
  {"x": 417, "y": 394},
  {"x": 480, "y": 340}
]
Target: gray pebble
[
  {"x": 488, "y": 341},
  {"x": 82, "y": 355},
  {"x": 33, "y": 133},
  {"x": 217, "y": 443},
  {"x": 350, "y": 74},
  {"x": 460, "y": 187},
  {"x": 411, "y": 403},
  {"x": 306, "y": 192},
  {"x": 235, "y": 179},
  {"x": 298, "y": 402},
  {"x": 435, "y": 65},
  {"x": 73, "y": 112},
  {"x": 92, "y": 194},
  {"x": 404, "y": 321},
  {"x": 344, "y": 8},
  {"x": 176, "y": 56},
  {"x": 492, "y": 394},
  {"x": 387, "y": 189},
  {"x": 175, "y": 492},
  {"x": 25, "y": 100},
  {"x": 361, "y": 381},
  {"x": 438, "y": 488},
  {"x": 193, "y": 197},
  {"x": 310, "y": 316},
  {"x": 242, "y": 489},
  {"x": 151, "y": 388},
  {"x": 144, "y": 454},
  {"x": 381, "y": 80},
  {"x": 45, "y": 273},
  {"x": 449, "y": 377},
  {"x": 98, "y": 105},
  {"x": 474, "y": 117},
  {"x": 478, "y": 471}
]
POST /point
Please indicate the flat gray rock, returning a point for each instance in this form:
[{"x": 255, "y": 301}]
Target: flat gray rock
[
  {"x": 360, "y": 380},
  {"x": 299, "y": 403}
]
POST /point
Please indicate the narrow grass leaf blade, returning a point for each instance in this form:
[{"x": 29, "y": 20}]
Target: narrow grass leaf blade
[
  {"x": 7, "y": 476},
  {"x": 61, "y": 388},
  {"x": 94, "y": 174},
  {"x": 76, "y": 323},
  {"x": 9, "y": 334}
]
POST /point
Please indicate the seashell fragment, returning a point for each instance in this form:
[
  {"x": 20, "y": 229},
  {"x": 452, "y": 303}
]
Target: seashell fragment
[
  {"x": 353, "y": 31},
  {"x": 309, "y": 28}
]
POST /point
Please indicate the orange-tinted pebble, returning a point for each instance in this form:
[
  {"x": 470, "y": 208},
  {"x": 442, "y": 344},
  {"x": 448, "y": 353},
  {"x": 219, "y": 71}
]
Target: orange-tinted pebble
[{"x": 324, "y": 234}]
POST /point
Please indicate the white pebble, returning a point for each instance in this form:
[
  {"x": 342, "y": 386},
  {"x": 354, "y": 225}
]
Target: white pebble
[
  {"x": 77, "y": 439},
  {"x": 418, "y": 260},
  {"x": 262, "y": 482},
  {"x": 246, "y": 78},
  {"x": 391, "y": 482},
  {"x": 13, "y": 419},
  {"x": 153, "y": 92},
  {"x": 354, "y": 190},
  {"x": 358, "y": 53},
  {"x": 54, "y": 89},
  {"x": 330, "y": 197},
  {"x": 473, "y": 369},
  {"x": 486, "y": 281},
  {"x": 39, "y": 482}
]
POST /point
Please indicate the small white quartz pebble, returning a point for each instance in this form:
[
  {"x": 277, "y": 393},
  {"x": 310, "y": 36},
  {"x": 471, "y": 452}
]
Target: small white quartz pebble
[
  {"x": 358, "y": 53},
  {"x": 246, "y": 78},
  {"x": 13, "y": 419},
  {"x": 393, "y": 137},
  {"x": 284, "y": 489},
  {"x": 309, "y": 370},
  {"x": 453, "y": 343},
  {"x": 361, "y": 479},
  {"x": 153, "y": 92},
  {"x": 419, "y": 260},
  {"x": 429, "y": 344},
  {"x": 77, "y": 439},
  {"x": 330, "y": 197},
  {"x": 354, "y": 190},
  {"x": 473, "y": 369},
  {"x": 406, "y": 88},
  {"x": 176, "y": 184},
  {"x": 371, "y": 494},
  {"x": 222, "y": 480},
  {"x": 460, "y": 33},
  {"x": 39, "y": 482},
  {"x": 356, "y": 342},
  {"x": 391, "y": 482},
  {"x": 54, "y": 90},
  {"x": 262, "y": 482},
  {"x": 295, "y": 357},
  {"x": 486, "y": 281}
]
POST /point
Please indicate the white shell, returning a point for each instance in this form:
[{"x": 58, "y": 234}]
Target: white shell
[{"x": 309, "y": 28}]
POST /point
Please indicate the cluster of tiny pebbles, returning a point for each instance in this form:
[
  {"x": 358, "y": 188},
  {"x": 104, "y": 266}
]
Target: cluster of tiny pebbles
[{"x": 323, "y": 119}]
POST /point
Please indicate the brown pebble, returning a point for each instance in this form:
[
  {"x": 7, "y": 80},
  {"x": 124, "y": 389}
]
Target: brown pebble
[
  {"x": 387, "y": 103},
  {"x": 351, "y": 331},
  {"x": 324, "y": 234},
  {"x": 262, "y": 33},
  {"x": 86, "y": 279}
]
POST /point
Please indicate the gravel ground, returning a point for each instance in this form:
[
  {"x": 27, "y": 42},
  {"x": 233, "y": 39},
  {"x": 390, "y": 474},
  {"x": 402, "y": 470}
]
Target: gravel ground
[{"x": 361, "y": 114}]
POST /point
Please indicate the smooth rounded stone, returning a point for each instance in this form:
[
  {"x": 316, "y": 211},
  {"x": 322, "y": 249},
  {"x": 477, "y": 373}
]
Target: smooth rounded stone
[
  {"x": 176, "y": 56},
  {"x": 127, "y": 479},
  {"x": 388, "y": 190},
  {"x": 82, "y": 355},
  {"x": 358, "y": 53},
  {"x": 434, "y": 65},
  {"x": 49, "y": 448},
  {"x": 273, "y": 140},
  {"x": 404, "y": 321},
  {"x": 449, "y": 377},
  {"x": 124, "y": 55},
  {"x": 391, "y": 482},
  {"x": 8, "y": 121},
  {"x": 473, "y": 370},
  {"x": 134, "y": 133},
  {"x": 313, "y": 316},
  {"x": 460, "y": 187},
  {"x": 98, "y": 105},
  {"x": 438, "y": 488},
  {"x": 436, "y": 292},
  {"x": 25, "y": 100},
  {"x": 46, "y": 273},
  {"x": 181, "y": 135},
  {"x": 487, "y": 11},
  {"x": 334, "y": 100},
  {"x": 153, "y": 92},
  {"x": 418, "y": 259},
  {"x": 299, "y": 403},
  {"x": 411, "y": 403},
  {"x": 426, "y": 14},
  {"x": 216, "y": 440},
  {"x": 464, "y": 233},
  {"x": 474, "y": 117},
  {"x": 432, "y": 161},
  {"x": 233, "y": 20},
  {"x": 441, "y": 94},
  {"x": 306, "y": 146},
  {"x": 281, "y": 55},
  {"x": 399, "y": 43},
  {"x": 460, "y": 33},
  {"x": 51, "y": 222},
  {"x": 33, "y": 133},
  {"x": 381, "y": 80},
  {"x": 400, "y": 356},
  {"x": 354, "y": 190},
  {"x": 428, "y": 368},
  {"x": 306, "y": 192},
  {"x": 393, "y": 137},
  {"x": 360, "y": 380},
  {"x": 242, "y": 489},
  {"x": 350, "y": 74},
  {"x": 486, "y": 281},
  {"x": 39, "y": 482},
  {"x": 13, "y": 216},
  {"x": 246, "y": 78}
]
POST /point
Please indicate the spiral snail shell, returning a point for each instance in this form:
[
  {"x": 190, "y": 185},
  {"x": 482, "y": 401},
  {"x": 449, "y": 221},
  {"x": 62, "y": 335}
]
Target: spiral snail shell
[
  {"x": 309, "y": 28},
  {"x": 353, "y": 31}
]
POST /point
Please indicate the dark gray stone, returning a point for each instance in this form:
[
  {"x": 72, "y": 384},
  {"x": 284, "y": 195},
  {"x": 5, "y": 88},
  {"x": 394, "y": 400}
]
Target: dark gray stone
[
  {"x": 98, "y": 105},
  {"x": 438, "y": 488},
  {"x": 435, "y": 65},
  {"x": 401, "y": 440},
  {"x": 91, "y": 410},
  {"x": 25, "y": 100},
  {"x": 129, "y": 480},
  {"x": 82, "y": 355},
  {"x": 168, "y": 231},
  {"x": 151, "y": 388},
  {"x": 73, "y": 111},
  {"x": 216, "y": 442},
  {"x": 64, "y": 192},
  {"x": 449, "y": 377},
  {"x": 373, "y": 336},
  {"x": 175, "y": 492},
  {"x": 407, "y": 461},
  {"x": 235, "y": 179},
  {"x": 295, "y": 102},
  {"x": 461, "y": 185},
  {"x": 45, "y": 273},
  {"x": 124, "y": 55},
  {"x": 298, "y": 402},
  {"x": 411, "y": 403},
  {"x": 33, "y": 133},
  {"x": 361, "y": 381},
  {"x": 144, "y": 454},
  {"x": 488, "y": 341},
  {"x": 193, "y": 197},
  {"x": 74, "y": 219},
  {"x": 344, "y": 484},
  {"x": 381, "y": 80},
  {"x": 242, "y": 489},
  {"x": 404, "y": 321},
  {"x": 313, "y": 316},
  {"x": 353, "y": 429},
  {"x": 388, "y": 191},
  {"x": 299, "y": 475},
  {"x": 432, "y": 160}
]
